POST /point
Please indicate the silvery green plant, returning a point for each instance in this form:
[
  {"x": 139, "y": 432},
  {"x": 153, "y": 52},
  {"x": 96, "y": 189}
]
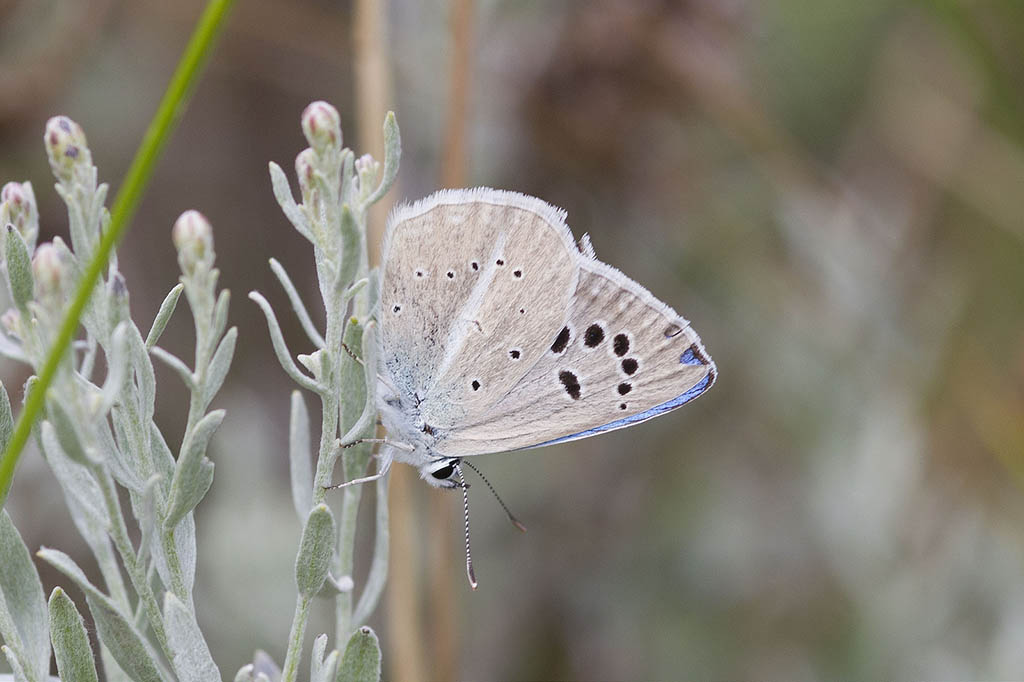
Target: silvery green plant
[
  {"x": 336, "y": 191},
  {"x": 99, "y": 438}
]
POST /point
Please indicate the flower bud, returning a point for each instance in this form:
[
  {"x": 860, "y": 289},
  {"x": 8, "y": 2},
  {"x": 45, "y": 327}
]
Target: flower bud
[
  {"x": 193, "y": 237},
  {"x": 305, "y": 170},
  {"x": 365, "y": 163},
  {"x": 66, "y": 146},
  {"x": 49, "y": 271},
  {"x": 367, "y": 172},
  {"x": 322, "y": 127},
  {"x": 18, "y": 208}
]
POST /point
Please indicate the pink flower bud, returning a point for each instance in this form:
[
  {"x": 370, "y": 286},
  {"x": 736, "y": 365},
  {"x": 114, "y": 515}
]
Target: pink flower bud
[
  {"x": 193, "y": 237},
  {"x": 48, "y": 270},
  {"x": 305, "y": 170},
  {"x": 66, "y": 146},
  {"x": 18, "y": 207},
  {"x": 322, "y": 127}
]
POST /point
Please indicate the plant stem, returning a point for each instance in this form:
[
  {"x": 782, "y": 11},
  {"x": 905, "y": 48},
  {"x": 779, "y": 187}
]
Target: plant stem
[
  {"x": 298, "y": 632},
  {"x": 136, "y": 573}
]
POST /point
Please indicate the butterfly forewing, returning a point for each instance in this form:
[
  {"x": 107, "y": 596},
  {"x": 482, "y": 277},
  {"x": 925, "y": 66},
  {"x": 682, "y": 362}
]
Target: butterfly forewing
[
  {"x": 475, "y": 282},
  {"x": 621, "y": 356}
]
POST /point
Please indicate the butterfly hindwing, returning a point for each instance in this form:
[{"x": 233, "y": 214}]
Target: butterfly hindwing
[{"x": 621, "y": 356}]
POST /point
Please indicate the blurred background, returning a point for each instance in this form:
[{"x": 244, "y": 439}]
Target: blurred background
[{"x": 832, "y": 192}]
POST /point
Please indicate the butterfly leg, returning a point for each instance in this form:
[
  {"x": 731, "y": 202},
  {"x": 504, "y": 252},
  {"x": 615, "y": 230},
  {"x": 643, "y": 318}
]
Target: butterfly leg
[
  {"x": 382, "y": 471},
  {"x": 405, "y": 447}
]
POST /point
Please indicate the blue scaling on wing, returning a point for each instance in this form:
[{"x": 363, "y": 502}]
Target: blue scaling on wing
[
  {"x": 690, "y": 357},
  {"x": 701, "y": 386}
]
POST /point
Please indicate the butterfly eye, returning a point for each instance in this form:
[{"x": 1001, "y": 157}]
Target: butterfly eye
[{"x": 444, "y": 472}]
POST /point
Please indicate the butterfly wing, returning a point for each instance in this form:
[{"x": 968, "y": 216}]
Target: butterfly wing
[
  {"x": 620, "y": 357},
  {"x": 473, "y": 282}
]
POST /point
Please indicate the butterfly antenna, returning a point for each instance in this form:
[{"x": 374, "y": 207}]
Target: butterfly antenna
[
  {"x": 511, "y": 517},
  {"x": 465, "y": 512}
]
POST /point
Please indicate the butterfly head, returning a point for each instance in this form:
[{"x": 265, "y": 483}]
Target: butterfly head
[{"x": 442, "y": 472}]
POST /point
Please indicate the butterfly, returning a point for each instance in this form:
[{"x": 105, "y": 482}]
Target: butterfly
[{"x": 497, "y": 331}]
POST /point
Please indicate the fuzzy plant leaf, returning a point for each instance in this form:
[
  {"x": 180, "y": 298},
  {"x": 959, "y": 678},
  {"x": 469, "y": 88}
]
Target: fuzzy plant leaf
[
  {"x": 284, "y": 356},
  {"x": 283, "y": 194},
  {"x": 322, "y": 669},
  {"x": 145, "y": 376},
  {"x": 361, "y": 662},
  {"x": 17, "y": 671},
  {"x": 297, "y": 305},
  {"x": 70, "y": 640},
  {"x": 177, "y": 364},
  {"x": 125, "y": 643},
  {"x": 185, "y": 548},
  {"x": 192, "y": 660},
  {"x": 354, "y": 400},
  {"x": 67, "y": 432},
  {"x": 6, "y": 417},
  {"x": 19, "y": 269},
  {"x": 392, "y": 157},
  {"x": 351, "y": 239},
  {"x": 300, "y": 464},
  {"x": 163, "y": 458},
  {"x": 78, "y": 484},
  {"x": 117, "y": 370},
  {"x": 163, "y": 315},
  {"x": 220, "y": 313},
  {"x": 6, "y": 427},
  {"x": 219, "y": 365},
  {"x": 22, "y": 601},
  {"x": 378, "y": 575},
  {"x": 113, "y": 628},
  {"x": 315, "y": 551},
  {"x": 193, "y": 473}
]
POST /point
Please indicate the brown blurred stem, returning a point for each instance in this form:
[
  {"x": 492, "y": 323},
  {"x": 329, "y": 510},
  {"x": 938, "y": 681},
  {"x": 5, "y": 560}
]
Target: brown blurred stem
[
  {"x": 443, "y": 594},
  {"x": 373, "y": 94}
]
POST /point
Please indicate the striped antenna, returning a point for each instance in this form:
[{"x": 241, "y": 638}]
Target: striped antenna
[{"x": 465, "y": 512}]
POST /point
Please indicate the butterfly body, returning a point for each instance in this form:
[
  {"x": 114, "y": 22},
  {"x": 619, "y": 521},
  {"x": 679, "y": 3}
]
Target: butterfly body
[{"x": 498, "y": 332}]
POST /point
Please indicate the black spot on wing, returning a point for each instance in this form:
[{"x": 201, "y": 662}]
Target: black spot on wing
[
  {"x": 593, "y": 336},
  {"x": 620, "y": 344},
  {"x": 561, "y": 341},
  {"x": 571, "y": 383}
]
